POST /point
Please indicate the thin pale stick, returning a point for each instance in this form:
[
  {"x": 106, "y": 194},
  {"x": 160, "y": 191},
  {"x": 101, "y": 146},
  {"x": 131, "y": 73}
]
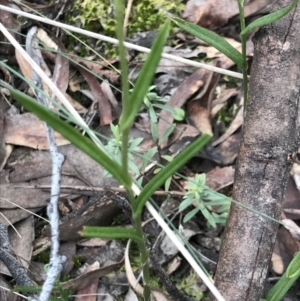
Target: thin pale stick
[{"x": 126, "y": 44}]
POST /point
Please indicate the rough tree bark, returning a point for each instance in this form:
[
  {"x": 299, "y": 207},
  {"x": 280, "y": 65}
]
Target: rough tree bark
[{"x": 270, "y": 136}]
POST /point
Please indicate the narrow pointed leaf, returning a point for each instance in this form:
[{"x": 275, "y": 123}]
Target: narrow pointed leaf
[
  {"x": 285, "y": 282},
  {"x": 110, "y": 232},
  {"x": 270, "y": 18},
  {"x": 144, "y": 80},
  {"x": 212, "y": 39},
  {"x": 169, "y": 170},
  {"x": 74, "y": 136}
]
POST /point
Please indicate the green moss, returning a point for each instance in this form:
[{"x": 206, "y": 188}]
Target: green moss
[
  {"x": 189, "y": 285},
  {"x": 44, "y": 257},
  {"x": 97, "y": 15},
  {"x": 78, "y": 261}
]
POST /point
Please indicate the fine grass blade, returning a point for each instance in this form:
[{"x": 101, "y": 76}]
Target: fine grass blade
[
  {"x": 74, "y": 136},
  {"x": 110, "y": 232},
  {"x": 212, "y": 39},
  {"x": 145, "y": 78},
  {"x": 270, "y": 18},
  {"x": 169, "y": 170}
]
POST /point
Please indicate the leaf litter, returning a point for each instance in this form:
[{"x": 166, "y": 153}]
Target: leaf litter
[{"x": 202, "y": 94}]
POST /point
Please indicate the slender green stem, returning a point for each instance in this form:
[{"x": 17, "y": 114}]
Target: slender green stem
[
  {"x": 124, "y": 148},
  {"x": 119, "y": 4},
  {"x": 144, "y": 255},
  {"x": 244, "y": 40}
]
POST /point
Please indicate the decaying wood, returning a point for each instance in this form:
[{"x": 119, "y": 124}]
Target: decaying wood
[{"x": 270, "y": 136}]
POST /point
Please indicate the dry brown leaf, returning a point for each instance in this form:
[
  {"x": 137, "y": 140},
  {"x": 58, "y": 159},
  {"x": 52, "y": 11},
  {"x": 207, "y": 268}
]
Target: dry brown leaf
[
  {"x": 61, "y": 70},
  {"x": 291, "y": 204},
  {"x": 105, "y": 110},
  {"x": 43, "y": 36},
  {"x": 5, "y": 291},
  {"x": 22, "y": 246},
  {"x": 15, "y": 215},
  {"x": 293, "y": 228},
  {"x": 102, "y": 214},
  {"x": 84, "y": 280},
  {"x": 109, "y": 94},
  {"x": 258, "y": 6},
  {"x": 75, "y": 104},
  {"x": 219, "y": 178},
  {"x": 210, "y": 14},
  {"x": 235, "y": 124},
  {"x": 213, "y": 14},
  {"x": 228, "y": 149},
  {"x": 285, "y": 248},
  {"x": 219, "y": 102},
  {"x": 28, "y": 130},
  {"x": 190, "y": 86},
  {"x": 183, "y": 131},
  {"x": 199, "y": 109},
  {"x": 91, "y": 289},
  {"x": 69, "y": 250},
  {"x": 22, "y": 196}
]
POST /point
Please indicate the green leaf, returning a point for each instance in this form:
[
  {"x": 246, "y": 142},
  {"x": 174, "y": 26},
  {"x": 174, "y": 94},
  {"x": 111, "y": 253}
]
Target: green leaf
[
  {"x": 168, "y": 183},
  {"x": 270, "y": 18},
  {"x": 208, "y": 216},
  {"x": 190, "y": 215},
  {"x": 167, "y": 133},
  {"x": 169, "y": 170},
  {"x": 286, "y": 280},
  {"x": 145, "y": 78},
  {"x": 148, "y": 156},
  {"x": 110, "y": 232},
  {"x": 212, "y": 39},
  {"x": 154, "y": 130},
  {"x": 186, "y": 203},
  {"x": 179, "y": 114},
  {"x": 74, "y": 136}
]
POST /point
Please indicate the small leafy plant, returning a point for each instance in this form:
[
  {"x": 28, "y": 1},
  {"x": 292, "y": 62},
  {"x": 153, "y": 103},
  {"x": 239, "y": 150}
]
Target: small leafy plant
[
  {"x": 152, "y": 101},
  {"x": 118, "y": 164},
  {"x": 119, "y": 168},
  {"x": 204, "y": 199}
]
